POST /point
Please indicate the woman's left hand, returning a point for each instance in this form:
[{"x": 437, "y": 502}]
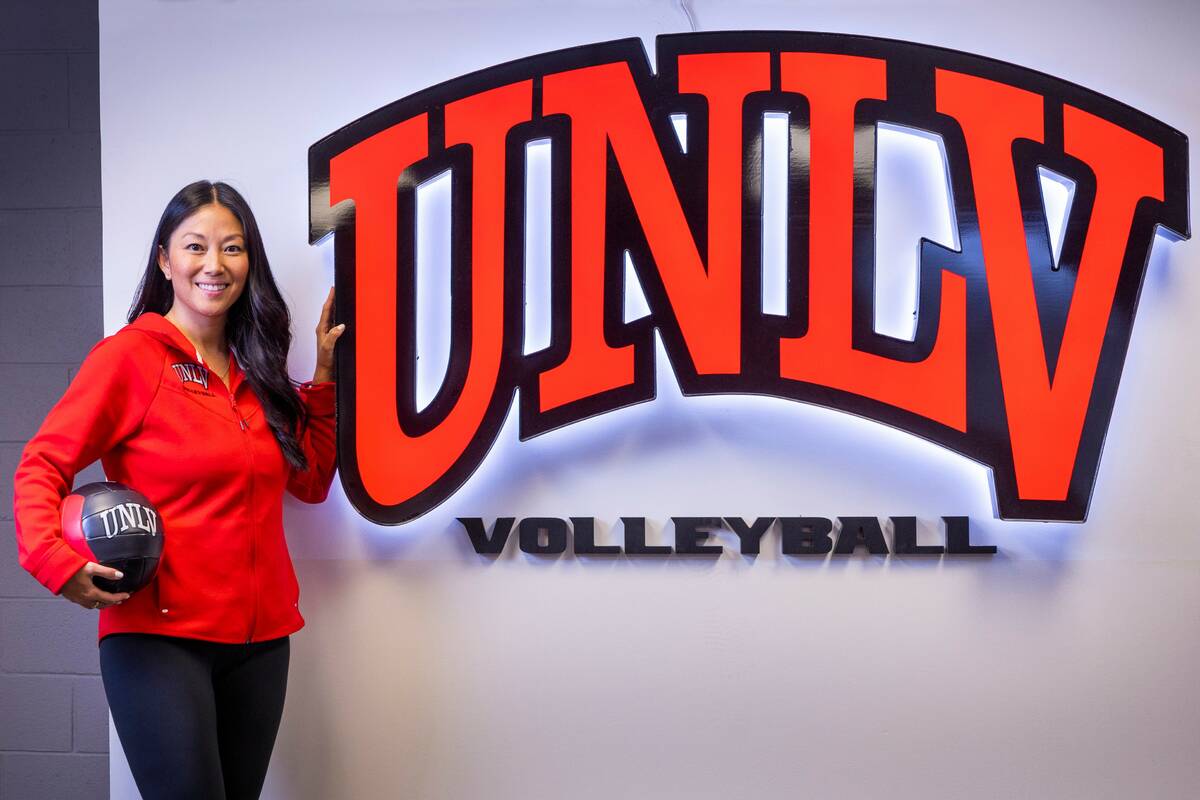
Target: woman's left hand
[{"x": 326, "y": 338}]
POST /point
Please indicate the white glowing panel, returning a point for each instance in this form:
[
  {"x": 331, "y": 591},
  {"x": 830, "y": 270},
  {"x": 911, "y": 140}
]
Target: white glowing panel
[
  {"x": 537, "y": 245},
  {"x": 912, "y": 202},
  {"x": 680, "y": 123},
  {"x": 636, "y": 306},
  {"x": 433, "y": 286},
  {"x": 1058, "y": 193},
  {"x": 774, "y": 213}
]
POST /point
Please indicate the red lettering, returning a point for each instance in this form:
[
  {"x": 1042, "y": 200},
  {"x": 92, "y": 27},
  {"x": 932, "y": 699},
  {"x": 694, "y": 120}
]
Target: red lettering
[
  {"x": 394, "y": 466},
  {"x": 935, "y": 387},
  {"x": 1045, "y": 419},
  {"x": 605, "y": 108}
]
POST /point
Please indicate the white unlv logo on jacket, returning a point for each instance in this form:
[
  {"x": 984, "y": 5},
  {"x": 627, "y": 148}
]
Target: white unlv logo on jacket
[{"x": 191, "y": 373}]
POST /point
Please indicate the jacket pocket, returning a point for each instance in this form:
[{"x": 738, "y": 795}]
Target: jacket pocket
[{"x": 203, "y": 584}]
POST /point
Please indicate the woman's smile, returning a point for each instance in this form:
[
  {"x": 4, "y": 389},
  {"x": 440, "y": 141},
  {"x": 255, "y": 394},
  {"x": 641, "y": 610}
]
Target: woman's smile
[{"x": 206, "y": 262}]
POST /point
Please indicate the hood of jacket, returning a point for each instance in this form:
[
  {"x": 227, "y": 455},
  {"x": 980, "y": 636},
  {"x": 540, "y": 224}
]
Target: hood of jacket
[{"x": 161, "y": 329}]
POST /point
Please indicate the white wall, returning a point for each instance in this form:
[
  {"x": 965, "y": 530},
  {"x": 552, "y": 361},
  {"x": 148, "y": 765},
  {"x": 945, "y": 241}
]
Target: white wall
[{"x": 1062, "y": 667}]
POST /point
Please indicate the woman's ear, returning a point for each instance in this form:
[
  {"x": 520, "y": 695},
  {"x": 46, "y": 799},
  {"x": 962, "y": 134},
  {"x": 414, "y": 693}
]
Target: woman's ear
[{"x": 162, "y": 262}]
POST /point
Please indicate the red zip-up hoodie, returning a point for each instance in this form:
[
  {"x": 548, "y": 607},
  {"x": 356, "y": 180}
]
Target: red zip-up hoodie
[{"x": 204, "y": 455}]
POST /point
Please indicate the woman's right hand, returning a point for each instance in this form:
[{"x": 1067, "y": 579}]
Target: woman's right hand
[{"x": 80, "y": 589}]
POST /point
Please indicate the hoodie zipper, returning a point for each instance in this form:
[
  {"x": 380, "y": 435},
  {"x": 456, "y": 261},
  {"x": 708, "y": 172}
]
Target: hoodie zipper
[
  {"x": 250, "y": 505},
  {"x": 159, "y": 327}
]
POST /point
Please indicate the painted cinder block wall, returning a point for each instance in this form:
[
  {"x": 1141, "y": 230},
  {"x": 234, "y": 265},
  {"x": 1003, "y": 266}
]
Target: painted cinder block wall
[{"x": 53, "y": 717}]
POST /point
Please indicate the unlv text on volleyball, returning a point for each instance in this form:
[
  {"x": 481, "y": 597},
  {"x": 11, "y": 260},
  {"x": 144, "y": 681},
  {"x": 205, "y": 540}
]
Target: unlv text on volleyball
[{"x": 1017, "y": 354}]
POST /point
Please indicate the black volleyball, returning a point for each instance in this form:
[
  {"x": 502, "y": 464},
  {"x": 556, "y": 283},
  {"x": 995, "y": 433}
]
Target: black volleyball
[{"x": 113, "y": 525}]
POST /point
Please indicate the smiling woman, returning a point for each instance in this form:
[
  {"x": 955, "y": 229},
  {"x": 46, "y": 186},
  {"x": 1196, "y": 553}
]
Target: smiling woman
[
  {"x": 205, "y": 261},
  {"x": 208, "y": 274},
  {"x": 192, "y": 405}
]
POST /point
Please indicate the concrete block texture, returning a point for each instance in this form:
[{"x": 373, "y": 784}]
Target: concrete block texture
[
  {"x": 84, "y": 79},
  {"x": 15, "y": 581},
  {"x": 34, "y": 91},
  {"x": 55, "y": 247},
  {"x": 26, "y": 314},
  {"x": 90, "y": 474},
  {"x": 27, "y": 392},
  {"x": 36, "y": 710},
  {"x": 90, "y": 714},
  {"x": 54, "y": 736},
  {"x": 57, "y": 25},
  {"x": 51, "y": 636},
  {"x": 50, "y": 170},
  {"x": 39, "y": 776},
  {"x": 10, "y": 455}
]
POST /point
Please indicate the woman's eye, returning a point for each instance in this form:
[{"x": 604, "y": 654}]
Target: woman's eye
[
  {"x": 233, "y": 248},
  {"x": 193, "y": 247}
]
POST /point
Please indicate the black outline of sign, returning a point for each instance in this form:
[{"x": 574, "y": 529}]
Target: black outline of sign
[{"x": 910, "y": 92}]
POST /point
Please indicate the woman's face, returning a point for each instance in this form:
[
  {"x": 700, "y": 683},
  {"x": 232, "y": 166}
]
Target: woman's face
[{"x": 206, "y": 262}]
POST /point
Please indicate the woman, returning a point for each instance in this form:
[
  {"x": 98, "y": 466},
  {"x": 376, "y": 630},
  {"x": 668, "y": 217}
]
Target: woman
[{"x": 191, "y": 404}]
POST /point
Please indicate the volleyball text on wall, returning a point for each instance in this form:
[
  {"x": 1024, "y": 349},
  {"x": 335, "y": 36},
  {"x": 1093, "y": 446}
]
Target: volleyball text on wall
[{"x": 1016, "y": 357}]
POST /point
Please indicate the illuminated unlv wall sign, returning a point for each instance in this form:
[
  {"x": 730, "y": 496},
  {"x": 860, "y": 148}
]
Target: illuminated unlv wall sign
[{"x": 1015, "y": 361}]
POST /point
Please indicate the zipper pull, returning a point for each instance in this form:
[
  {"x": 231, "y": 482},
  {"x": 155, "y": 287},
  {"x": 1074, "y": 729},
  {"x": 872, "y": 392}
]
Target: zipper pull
[{"x": 236, "y": 413}]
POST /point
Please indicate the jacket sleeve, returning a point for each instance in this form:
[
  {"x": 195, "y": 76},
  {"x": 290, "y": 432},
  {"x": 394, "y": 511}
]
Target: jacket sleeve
[
  {"x": 319, "y": 442},
  {"x": 104, "y": 404}
]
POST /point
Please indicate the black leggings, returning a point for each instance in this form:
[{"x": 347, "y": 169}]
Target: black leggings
[{"x": 196, "y": 719}]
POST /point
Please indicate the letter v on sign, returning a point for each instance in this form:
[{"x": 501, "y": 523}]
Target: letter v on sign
[{"x": 1046, "y": 417}]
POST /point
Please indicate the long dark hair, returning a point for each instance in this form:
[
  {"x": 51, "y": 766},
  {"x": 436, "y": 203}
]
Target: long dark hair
[{"x": 258, "y": 326}]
